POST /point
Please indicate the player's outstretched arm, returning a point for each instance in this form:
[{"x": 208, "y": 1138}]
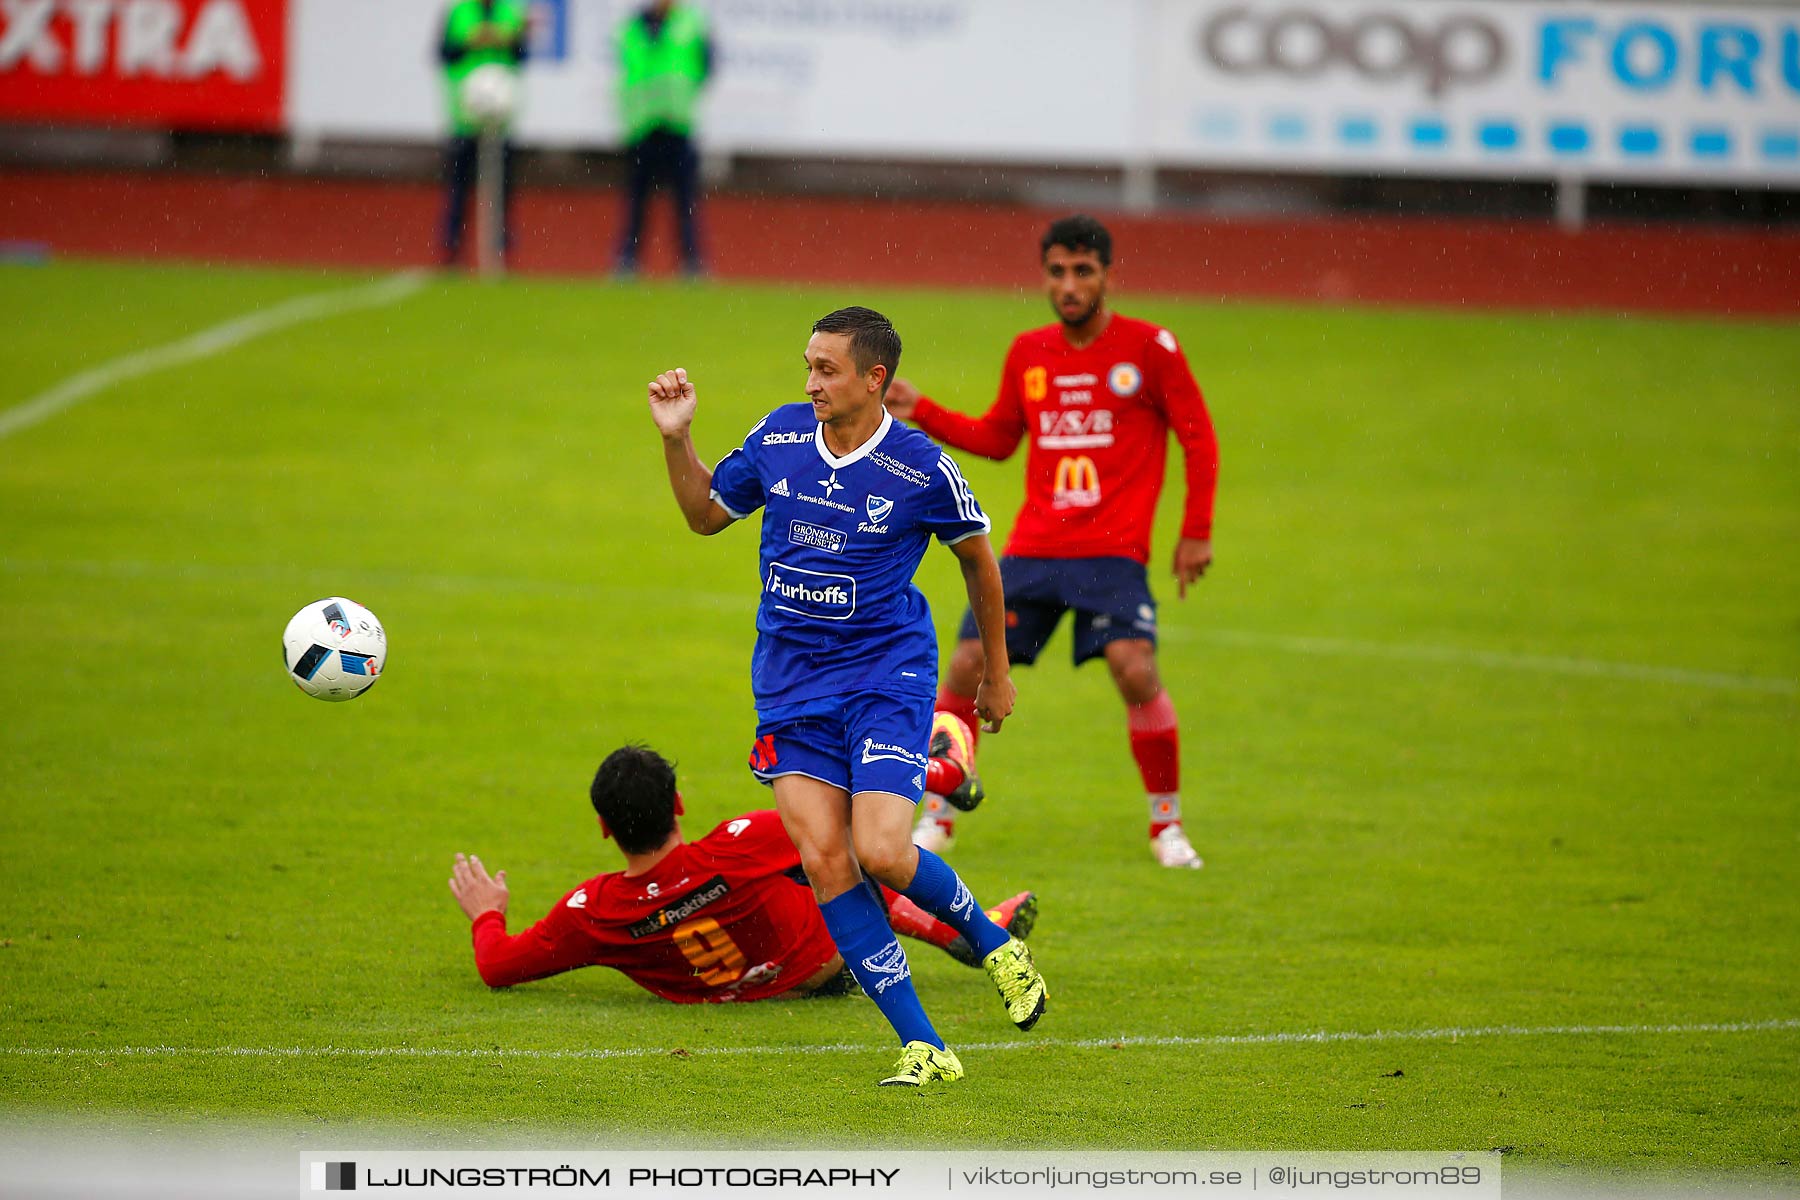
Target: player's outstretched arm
[
  {"x": 672, "y": 406},
  {"x": 995, "y": 435},
  {"x": 475, "y": 889},
  {"x": 981, "y": 577}
]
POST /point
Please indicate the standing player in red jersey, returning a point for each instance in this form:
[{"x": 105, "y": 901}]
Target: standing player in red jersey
[
  {"x": 723, "y": 918},
  {"x": 1096, "y": 394}
]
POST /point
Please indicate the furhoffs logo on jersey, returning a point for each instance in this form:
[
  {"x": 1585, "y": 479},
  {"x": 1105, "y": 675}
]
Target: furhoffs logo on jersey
[
  {"x": 678, "y": 910},
  {"x": 817, "y": 594},
  {"x": 1124, "y": 379},
  {"x": 890, "y": 964}
]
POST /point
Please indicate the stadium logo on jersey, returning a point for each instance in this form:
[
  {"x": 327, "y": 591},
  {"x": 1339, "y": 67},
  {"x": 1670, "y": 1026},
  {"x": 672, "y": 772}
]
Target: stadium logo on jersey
[
  {"x": 790, "y": 438},
  {"x": 579, "y": 899},
  {"x": 1036, "y": 383},
  {"x": 679, "y": 910},
  {"x": 816, "y": 594},
  {"x": 738, "y": 826},
  {"x": 894, "y": 466},
  {"x": 1125, "y": 379},
  {"x": 780, "y": 488},
  {"x": 890, "y": 963},
  {"x": 1077, "y": 482},
  {"x": 874, "y": 751},
  {"x": 817, "y": 537}
]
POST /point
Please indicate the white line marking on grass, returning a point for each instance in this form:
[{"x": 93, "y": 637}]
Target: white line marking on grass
[
  {"x": 1550, "y": 664},
  {"x": 1588, "y": 668},
  {"x": 206, "y": 343},
  {"x": 1454, "y": 1034}
]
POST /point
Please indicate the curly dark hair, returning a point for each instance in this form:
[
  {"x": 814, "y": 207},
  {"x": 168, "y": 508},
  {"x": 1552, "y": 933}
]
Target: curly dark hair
[
  {"x": 1077, "y": 233},
  {"x": 634, "y": 793}
]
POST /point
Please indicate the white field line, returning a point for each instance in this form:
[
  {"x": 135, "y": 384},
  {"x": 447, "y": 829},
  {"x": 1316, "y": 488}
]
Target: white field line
[
  {"x": 206, "y": 343},
  {"x": 1586, "y": 668},
  {"x": 1548, "y": 664},
  {"x": 1320, "y": 1037}
]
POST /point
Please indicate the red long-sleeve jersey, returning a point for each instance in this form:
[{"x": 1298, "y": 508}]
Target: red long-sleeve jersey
[
  {"x": 1099, "y": 420},
  {"x": 717, "y": 919}
]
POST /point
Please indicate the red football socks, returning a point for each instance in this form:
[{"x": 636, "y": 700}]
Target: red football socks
[
  {"x": 943, "y": 776},
  {"x": 962, "y": 707},
  {"x": 1156, "y": 745}
]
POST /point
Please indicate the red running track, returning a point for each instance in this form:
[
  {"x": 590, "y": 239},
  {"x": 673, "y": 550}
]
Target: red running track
[{"x": 1425, "y": 262}]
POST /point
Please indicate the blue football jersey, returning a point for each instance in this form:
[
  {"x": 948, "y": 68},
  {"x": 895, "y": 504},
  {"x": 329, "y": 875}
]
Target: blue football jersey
[{"x": 841, "y": 538}]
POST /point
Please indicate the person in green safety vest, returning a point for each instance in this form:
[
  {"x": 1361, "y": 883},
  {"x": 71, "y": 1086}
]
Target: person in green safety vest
[
  {"x": 476, "y": 33},
  {"x": 665, "y": 59}
]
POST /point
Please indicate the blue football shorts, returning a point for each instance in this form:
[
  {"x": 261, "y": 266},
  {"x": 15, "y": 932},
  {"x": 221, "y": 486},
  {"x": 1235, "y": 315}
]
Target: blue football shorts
[
  {"x": 863, "y": 742},
  {"x": 1110, "y": 598}
]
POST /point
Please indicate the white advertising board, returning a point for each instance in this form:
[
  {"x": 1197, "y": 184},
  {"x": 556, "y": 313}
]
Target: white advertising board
[
  {"x": 934, "y": 79},
  {"x": 1621, "y": 91},
  {"x": 1700, "y": 93}
]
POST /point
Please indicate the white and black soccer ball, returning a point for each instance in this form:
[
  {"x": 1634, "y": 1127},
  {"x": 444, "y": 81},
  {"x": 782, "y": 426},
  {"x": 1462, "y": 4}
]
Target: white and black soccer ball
[
  {"x": 490, "y": 93},
  {"x": 334, "y": 649}
]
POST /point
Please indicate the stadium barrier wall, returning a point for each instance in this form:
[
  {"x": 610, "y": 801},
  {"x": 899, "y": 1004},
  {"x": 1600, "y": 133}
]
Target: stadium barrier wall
[{"x": 1660, "y": 93}]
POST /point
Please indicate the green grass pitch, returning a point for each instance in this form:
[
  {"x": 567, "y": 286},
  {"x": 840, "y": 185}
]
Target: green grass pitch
[{"x": 1489, "y": 718}]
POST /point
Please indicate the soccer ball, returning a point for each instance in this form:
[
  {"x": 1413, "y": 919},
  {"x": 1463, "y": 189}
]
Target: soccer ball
[
  {"x": 334, "y": 649},
  {"x": 489, "y": 94}
]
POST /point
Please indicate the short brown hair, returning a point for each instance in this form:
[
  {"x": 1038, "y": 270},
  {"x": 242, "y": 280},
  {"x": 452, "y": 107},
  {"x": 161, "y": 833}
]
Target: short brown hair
[{"x": 872, "y": 338}]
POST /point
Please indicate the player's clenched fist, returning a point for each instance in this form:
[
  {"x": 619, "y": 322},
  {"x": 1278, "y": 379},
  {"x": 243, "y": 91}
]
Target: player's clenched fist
[
  {"x": 994, "y": 700},
  {"x": 672, "y": 402}
]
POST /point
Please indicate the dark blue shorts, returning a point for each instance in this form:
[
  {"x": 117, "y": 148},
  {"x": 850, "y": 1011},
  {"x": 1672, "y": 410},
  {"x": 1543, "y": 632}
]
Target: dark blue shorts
[
  {"x": 864, "y": 742},
  {"x": 1110, "y": 597}
]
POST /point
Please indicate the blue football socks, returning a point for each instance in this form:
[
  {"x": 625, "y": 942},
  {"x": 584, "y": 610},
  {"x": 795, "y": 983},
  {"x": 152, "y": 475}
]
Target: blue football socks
[
  {"x": 938, "y": 890},
  {"x": 858, "y": 924}
]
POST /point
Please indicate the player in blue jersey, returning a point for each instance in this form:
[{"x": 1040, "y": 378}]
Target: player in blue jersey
[{"x": 845, "y": 665}]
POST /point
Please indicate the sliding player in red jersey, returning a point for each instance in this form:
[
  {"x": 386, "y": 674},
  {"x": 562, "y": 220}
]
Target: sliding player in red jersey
[
  {"x": 1096, "y": 395},
  {"x": 723, "y": 918}
]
